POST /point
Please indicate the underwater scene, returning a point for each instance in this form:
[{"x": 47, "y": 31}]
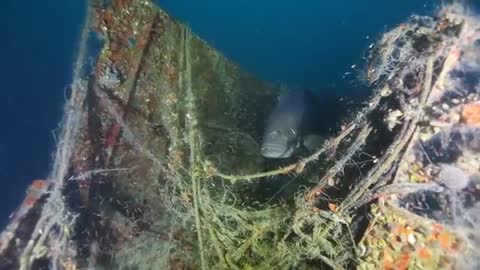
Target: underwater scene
[{"x": 173, "y": 155}]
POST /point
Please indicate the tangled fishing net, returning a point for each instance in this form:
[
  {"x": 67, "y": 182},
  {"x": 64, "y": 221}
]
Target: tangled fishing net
[{"x": 158, "y": 164}]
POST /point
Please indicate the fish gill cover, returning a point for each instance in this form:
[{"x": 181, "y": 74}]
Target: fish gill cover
[{"x": 158, "y": 165}]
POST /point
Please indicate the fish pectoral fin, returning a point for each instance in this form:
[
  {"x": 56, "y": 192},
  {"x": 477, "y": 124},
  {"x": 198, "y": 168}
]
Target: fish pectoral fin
[{"x": 312, "y": 142}]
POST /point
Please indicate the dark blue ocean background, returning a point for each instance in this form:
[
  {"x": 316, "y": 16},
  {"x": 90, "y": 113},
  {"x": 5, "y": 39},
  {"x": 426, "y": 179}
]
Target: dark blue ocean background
[{"x": 304, "y": 43}]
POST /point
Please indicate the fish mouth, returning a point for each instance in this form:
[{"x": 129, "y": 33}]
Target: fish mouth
[{"x": 275, "y": 151}]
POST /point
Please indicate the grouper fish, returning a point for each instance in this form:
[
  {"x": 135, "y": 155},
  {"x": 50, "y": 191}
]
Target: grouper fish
[{"x": 295, "y": 117}]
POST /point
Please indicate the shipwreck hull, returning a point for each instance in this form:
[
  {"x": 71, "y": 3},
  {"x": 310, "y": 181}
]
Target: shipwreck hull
[{"x": 159, "y": 164}]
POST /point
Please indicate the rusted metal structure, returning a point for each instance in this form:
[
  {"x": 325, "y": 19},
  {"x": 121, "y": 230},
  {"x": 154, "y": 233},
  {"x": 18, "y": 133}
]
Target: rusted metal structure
[{"x": 159, "y": 165}]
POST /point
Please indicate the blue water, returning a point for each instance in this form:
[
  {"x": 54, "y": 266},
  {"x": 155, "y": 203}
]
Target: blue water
[
  {"x": 305, "y": 43},
  {"x": 37, "y": 48}
]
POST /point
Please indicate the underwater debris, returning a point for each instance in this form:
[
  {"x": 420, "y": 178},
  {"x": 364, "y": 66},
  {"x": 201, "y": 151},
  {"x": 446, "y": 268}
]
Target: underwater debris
[
  {"x": 159, "y": 165},
  {"x": 35, "y": 192},
  {"x": 396, "y": 240}
]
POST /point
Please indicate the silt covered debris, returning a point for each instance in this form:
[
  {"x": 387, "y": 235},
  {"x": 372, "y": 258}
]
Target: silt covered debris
[{"x": 158, "y": 163}]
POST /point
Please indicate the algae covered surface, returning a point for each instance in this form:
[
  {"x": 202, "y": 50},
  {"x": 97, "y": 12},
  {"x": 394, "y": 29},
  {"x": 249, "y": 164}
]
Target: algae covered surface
[{"x": 159, "y": 163}]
